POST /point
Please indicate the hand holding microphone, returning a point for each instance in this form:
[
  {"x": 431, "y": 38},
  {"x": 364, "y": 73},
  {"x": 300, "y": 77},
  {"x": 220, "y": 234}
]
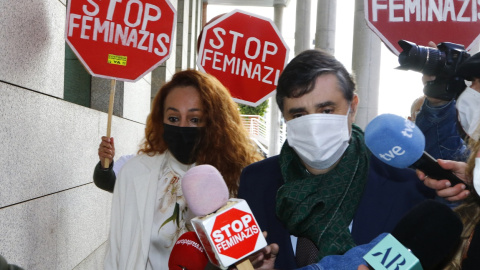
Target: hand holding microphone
[
  {"x": 265, "y": 258},
  {"x": 443, "y": 187},
  {"x": 399, "y": 143},
  {"x": 226, "y": 227}
]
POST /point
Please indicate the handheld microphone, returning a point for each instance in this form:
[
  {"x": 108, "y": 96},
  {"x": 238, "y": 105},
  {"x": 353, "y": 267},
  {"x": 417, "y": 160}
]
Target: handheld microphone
[
  {"x": 226, "y": 227},
  {"x": 398, "y": 142},
  {"x": 188, "y": 254},
  {"x": 204, "y": 190},
  {"x": 423, "y": 239}
]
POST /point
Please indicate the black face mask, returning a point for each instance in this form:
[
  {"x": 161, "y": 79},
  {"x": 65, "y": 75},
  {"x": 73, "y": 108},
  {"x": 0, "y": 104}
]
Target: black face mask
[{"x": 182, "y": 142}]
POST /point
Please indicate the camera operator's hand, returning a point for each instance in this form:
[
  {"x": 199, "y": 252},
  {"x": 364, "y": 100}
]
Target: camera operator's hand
[{"x": 442, "y": 186}]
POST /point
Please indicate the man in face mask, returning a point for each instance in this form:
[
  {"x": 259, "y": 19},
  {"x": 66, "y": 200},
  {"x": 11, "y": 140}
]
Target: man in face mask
[{"x": 312, "y": 190}]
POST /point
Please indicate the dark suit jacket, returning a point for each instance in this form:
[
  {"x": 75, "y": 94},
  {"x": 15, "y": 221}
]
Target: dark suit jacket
[{"x": 259, "y": 183}]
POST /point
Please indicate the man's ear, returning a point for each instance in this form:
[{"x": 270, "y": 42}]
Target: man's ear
[
  {"x": 353, "y": 108},
  {"x": 354, "y": 105}
]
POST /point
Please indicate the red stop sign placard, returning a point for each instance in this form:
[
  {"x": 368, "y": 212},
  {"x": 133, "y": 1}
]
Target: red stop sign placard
[
  {"x": 120, "y": 39},
  {"x": 235, "y": 233},
  {"x": 246, "y": 53},
  {"x": 422, "y": 21}
]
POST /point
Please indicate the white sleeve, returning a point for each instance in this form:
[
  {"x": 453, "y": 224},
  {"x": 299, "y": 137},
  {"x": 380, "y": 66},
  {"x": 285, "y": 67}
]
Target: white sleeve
[{"x": 476, "y": 175}]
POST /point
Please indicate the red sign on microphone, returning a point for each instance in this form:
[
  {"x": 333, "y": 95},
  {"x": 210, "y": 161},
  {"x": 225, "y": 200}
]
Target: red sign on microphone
[
  {"x": 422, "y": 21},
  {"x": 246, "y": 52},
  {"x": 230, "y": 234},
  {"x": 235, "y": 233},
  {"x": 118, "y": 39}
]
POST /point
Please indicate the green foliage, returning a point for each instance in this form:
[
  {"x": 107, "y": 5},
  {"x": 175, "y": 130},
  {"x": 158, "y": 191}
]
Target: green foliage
[{"x": 259, "y": 110}]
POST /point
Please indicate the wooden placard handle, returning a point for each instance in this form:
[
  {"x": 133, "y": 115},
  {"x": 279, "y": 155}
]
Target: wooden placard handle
[
  {"x": 110, "y": 113},
  {"x": 244, "y": 264}
]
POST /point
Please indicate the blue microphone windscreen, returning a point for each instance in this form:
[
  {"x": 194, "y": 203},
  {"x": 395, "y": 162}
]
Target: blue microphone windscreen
[{"x": 394, "y": 140}]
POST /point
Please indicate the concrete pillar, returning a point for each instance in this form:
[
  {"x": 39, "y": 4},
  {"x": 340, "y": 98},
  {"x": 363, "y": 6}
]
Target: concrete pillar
[
  {"x": 204, "y": 13},
  {"x": 192, "y": 38},
  {"x": 325, "y": 31},
  {"x": 198, "y": 27},
  {"x": 366, "y": 66},
  {"x": 183, "y": 15},
  {"x": 275, "y": 120},
  {"x": 302, "y": 26},
  {"x": 278, "y": 15}
]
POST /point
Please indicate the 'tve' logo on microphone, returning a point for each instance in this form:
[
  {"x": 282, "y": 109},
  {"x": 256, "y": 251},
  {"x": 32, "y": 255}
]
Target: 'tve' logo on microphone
[
  {"x": 389, "y": 254},
  {"x": 398, "y": 150},
  {"x": 395, "y": 151},
  {"x": 408, "y": 130}
]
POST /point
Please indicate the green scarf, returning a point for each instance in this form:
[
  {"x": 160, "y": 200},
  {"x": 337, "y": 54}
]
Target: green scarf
[{"x": 321, "y": 207}]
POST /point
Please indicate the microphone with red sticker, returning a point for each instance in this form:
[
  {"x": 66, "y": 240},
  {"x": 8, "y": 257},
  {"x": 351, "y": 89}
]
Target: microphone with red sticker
[
  {"x": 188, "y": 253},
  {"x": 226, "y": 227}
]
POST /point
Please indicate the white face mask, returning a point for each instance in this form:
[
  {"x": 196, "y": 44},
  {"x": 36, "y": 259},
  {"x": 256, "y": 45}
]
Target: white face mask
[
  {"x": 476, "y": 175},
  {"x": 468, "y": 107},
  {"x": 319, "y": 139}
]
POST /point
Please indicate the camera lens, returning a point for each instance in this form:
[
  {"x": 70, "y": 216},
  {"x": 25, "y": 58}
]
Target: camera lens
[
  {"x": 441, "y": 62},
  {"x": 426, "y": 60}
]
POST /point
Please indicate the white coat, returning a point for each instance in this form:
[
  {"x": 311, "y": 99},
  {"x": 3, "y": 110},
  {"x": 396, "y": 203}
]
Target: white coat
[{"x": 131, "y": 223}]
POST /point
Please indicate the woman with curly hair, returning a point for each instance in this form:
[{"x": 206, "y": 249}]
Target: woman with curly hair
[{"x": 193, "y": 121}]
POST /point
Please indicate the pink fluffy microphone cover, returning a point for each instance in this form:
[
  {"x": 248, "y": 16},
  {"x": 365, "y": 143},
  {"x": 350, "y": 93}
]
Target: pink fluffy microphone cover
[{"x": 204, "y": 189}]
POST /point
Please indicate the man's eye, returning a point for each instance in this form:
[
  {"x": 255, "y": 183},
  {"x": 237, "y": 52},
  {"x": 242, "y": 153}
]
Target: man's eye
[
  {"x": 328, "y": 111},
  {"x": 297, "y": 115}
]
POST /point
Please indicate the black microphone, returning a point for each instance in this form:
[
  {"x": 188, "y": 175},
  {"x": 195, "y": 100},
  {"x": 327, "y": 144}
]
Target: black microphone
[
  {"x": 423, "y": 239},
  {"x": 398, "y": 142}
]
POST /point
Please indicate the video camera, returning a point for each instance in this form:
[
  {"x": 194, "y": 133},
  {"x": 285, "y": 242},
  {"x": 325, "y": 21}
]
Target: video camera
[{"x": 441, "y": 63}]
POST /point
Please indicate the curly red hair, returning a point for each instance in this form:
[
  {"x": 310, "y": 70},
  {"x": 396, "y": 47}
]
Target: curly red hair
[{"x": 224, "y": 143}]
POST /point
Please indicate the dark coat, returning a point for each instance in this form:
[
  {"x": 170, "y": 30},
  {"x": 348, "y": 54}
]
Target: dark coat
[{"x": 388, "y": 195}]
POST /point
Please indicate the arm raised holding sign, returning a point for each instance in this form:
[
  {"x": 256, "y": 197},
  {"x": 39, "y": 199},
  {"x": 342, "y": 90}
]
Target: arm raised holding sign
[
  {"x": 106, "y": 150},
  {"x": 104, "y": 178}
]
